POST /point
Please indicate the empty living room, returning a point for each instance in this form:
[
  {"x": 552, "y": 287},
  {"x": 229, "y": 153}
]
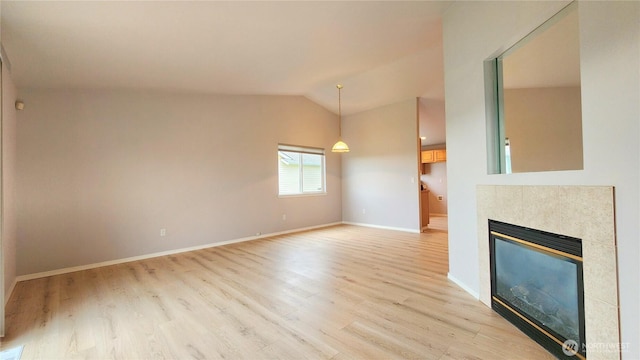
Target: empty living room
[{"x": 247, "y": 180}]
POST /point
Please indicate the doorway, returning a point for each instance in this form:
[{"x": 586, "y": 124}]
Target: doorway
[{"x": 433, "y": 165}]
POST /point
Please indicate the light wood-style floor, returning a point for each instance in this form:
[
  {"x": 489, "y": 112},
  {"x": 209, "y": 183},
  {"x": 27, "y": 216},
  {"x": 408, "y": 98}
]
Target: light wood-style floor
[
  {"x": 343, "y": 292},
  {"x": 438, "y": 223}
]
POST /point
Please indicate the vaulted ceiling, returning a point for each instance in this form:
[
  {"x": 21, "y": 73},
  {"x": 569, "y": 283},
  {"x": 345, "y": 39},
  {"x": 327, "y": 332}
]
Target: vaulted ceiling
[{"x": 382, "y": 51}]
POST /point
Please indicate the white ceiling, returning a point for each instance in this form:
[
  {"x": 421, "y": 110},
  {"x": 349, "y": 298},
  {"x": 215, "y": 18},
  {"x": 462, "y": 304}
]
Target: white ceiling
[{"x": 382, "y": 52}]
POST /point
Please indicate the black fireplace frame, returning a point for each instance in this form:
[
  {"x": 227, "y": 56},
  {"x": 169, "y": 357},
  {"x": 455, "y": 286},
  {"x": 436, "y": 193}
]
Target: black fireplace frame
[{"x": 548, "y": 338}]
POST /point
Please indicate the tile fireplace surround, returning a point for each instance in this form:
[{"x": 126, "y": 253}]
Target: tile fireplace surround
[{"x": 585, "y": 212}]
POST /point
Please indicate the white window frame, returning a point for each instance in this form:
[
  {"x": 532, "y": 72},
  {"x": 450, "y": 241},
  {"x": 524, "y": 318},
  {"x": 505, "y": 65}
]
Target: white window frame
[{"x": 304, "y": 150}]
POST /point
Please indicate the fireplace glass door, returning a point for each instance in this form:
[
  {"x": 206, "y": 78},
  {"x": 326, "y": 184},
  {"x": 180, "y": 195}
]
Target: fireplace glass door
[{"x": 537, "y": 280}]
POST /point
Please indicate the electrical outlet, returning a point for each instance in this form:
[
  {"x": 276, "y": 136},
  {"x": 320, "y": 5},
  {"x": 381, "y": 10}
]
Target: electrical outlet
[
  {"x": 440, "y": 197},
  {"x": 258, "y": 233},
  {"x": 284, "y": 217},
  {"x": 163, "y": 232}
]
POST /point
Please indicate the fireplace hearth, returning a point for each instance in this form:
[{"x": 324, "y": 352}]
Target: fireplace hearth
[{"x": 537, "y": 284}]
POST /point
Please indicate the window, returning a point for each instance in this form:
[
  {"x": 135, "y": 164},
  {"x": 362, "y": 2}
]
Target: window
[{"x": 301, "y": 170}]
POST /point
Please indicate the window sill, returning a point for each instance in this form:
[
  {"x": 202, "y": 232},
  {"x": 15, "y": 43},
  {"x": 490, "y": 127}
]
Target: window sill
[{"x": 302, "y": 195}]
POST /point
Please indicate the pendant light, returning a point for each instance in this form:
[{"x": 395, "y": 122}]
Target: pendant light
[{"x": 340, "y": 146}]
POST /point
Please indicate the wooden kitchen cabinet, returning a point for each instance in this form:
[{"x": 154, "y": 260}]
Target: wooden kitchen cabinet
[
  {"x": 425, "y": 208},
  {"x": 427, "y": 156},
  {"x": 431, "y": 156}
]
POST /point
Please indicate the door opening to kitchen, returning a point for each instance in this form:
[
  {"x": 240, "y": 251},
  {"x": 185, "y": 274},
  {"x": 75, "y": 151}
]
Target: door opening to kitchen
[{"x": 433, "y": 165}]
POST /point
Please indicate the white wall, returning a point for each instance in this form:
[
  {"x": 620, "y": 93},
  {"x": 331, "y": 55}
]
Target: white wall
[
  {"x": 380, "y": 174},
  {"x": 101, "y": 172},
  {"x": 610, "y": 58}
]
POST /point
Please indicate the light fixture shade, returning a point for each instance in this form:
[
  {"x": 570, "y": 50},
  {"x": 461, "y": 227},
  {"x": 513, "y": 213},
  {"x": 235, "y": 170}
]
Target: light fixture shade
[{"x": 340, "y": 147}]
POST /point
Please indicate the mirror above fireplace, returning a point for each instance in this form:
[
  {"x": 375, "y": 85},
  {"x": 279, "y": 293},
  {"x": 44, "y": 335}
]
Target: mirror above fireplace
[{"x": 538, "y": 115}]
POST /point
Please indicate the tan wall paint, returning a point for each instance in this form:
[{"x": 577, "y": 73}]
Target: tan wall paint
[
  {"x": 544, "y": 126},
  {"x": 101, "y": 172},
  {"x": 377, "y": 173}
]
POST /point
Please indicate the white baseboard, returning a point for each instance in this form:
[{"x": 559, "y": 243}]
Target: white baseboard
[
  {"x": 463, "y": 286},
  {"x": 7, "y": 294},
  {"x": 416, "y": 231},
  {"x": 162, "y": 253}
]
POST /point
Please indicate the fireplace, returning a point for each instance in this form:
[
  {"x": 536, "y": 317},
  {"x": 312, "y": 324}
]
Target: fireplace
[
  {"x": 537, "y": 284},
  {"x": 583, "y": 212}
]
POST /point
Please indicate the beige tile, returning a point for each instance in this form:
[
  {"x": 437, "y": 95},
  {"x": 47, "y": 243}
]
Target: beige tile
[
  {"x": 485, "y": 195},
  {"x": 600, "y": 277},
  {"x": 542, "y": 208},
  {"x": 601, "y": 327},
  {"x": 589, "y": 213},
  {"x": 508, "y": 205},
  {"x": 485, "y": 281},
  {"x": 486, "y": 199},
  {"x": 483, "y": 260}
]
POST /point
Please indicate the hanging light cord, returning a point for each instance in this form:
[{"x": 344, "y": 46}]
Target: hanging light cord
[
  {"x": 340, "y": 146},
  {"x": 339, "y": 86}
]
